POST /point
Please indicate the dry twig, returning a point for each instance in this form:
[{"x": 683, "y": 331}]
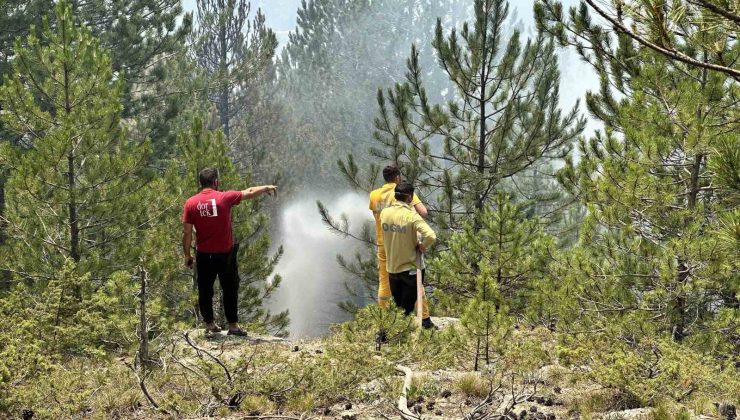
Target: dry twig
[
  {"x": 406, "y": 414},
  {"x": 200, "y": 350}
]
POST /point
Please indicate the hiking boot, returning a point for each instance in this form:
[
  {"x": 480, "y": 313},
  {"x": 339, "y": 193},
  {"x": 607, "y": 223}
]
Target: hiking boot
[
  {"x": 213, "y": 328},
  {"x": 427, "y": 324},
  {"x": 238, "y": 333},
  {"x": 381, "y": 337}
]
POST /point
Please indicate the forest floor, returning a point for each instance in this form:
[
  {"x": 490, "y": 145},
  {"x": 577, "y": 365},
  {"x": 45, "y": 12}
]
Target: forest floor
[
  {"x": 344, "y": 375},
  {"x": 550, "y": 392}
]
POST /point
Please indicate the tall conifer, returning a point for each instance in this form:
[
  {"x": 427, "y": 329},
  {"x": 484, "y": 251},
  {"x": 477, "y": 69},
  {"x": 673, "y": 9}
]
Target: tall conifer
[
  {"x": 504, "y": 118},
  {"x": 75, "y": 177},
  {"x": 658, "y": 256},
  {"x": 233, "y": 52}
]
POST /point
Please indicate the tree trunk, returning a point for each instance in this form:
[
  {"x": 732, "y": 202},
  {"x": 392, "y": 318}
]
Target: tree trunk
[
  {"x": 74, "y": 230},
  {"x": 224, "y": 94},
  {"x": 143, "y": 327},
  {"x": 477, "y": 354},
  {"x": 4, "y": 276},
  {"x": 679, "y": 328},
  {"x": 680, "y": 325},
  {"x": 481, "y": 167},
  {"x": 481, "y": 164},
  {"x": 499, "y": 272}
]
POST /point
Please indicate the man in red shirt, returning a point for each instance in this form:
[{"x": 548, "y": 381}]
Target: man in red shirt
[{"x": 209, "y": 212}]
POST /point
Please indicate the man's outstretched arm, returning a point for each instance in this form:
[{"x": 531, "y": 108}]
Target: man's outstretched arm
[
  {"x": 187, "y": 241},
  {"x": 421, "y": 209},
  {"x": 254, "y": 192}
]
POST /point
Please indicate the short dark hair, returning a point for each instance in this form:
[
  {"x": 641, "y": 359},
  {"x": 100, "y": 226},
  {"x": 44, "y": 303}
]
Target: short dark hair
[
  {"x": 208, "y": 177},
  {"x": 390, "y": 173},
  {"x": 404, "y": 189}
]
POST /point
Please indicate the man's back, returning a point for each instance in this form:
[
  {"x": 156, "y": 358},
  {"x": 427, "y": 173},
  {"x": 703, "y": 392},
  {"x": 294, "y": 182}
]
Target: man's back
[
  {"x": 400, "y": 225},
  {"x": 209, "y": 212},
  {"x": 380, "y": 199}
]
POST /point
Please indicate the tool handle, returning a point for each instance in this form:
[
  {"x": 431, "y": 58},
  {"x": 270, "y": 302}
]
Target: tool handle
[{"x": 419, "y": 288}]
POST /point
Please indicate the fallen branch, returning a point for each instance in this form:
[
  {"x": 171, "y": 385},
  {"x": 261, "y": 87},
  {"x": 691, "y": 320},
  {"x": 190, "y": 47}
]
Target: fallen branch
[
  {"x": 480, "y": 411},
  {"x": 202, "y": 350},
  {"x": 290, "y": 388},
  {"x": 485, "y": 410},
  {"x": 518, "y": 399},
  {"x": 142, "y": 385},
  {"x": 402, "y": 400}
]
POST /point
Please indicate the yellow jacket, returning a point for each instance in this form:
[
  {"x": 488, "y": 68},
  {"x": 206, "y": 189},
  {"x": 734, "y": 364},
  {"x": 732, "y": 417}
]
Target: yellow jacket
[
  {"x": 400, "y": 224},
  {"x": 380, "y": 199}
]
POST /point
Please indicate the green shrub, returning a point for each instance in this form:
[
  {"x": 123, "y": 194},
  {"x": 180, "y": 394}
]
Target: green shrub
[
  {"x": 422, "y": 386},
  {"x": 653, "y": 370},
  {"x": 472, "y": 385}
]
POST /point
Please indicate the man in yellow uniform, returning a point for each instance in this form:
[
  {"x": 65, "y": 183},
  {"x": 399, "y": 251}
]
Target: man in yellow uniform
[
  {"x": 380, "y": 199},
  {"x": 402, "y": 227}
]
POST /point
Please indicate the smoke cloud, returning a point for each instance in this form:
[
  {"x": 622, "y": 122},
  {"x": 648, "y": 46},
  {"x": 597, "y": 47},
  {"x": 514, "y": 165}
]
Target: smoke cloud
[{"x": 313, "y": 282}]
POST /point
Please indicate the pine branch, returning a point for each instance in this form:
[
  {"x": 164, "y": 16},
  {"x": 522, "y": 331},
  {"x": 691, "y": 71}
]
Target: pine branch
[
  {"x": 669, "y": 52},
  {"x": 718, "y": 10},
  {"x": 339, "y": 228}
]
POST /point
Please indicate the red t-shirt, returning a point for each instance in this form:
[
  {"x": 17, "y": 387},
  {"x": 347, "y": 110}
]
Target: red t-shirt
[{"x": 210, "y": 212}]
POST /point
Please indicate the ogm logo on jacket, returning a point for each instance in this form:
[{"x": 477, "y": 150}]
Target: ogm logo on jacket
[{"x": 392, "y": 227}]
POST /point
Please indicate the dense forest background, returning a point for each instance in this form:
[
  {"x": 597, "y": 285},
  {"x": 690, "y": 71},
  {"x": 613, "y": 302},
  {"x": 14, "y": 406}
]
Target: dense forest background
[{"x": 600, "y": 235}]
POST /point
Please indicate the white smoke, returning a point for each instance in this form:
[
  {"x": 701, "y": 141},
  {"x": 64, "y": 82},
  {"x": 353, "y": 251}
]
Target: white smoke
[{"x": 313, "y": 282}]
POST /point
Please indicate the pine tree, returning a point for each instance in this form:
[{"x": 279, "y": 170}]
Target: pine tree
[
  {"x": 74, "y": 175},
  {"x": 76, "y": 202},
  {"x": 654, "y": 278},
  {"x": 139, "y": 34},
  {"x": 333, "y": 63},
  {"x": 493, "y": 270},
  {"x": 339, "y": 54},
  {"x": 504, "y": 119},
  {"x": 235, "y": 54},
  {"x": 652, "y": 262}
]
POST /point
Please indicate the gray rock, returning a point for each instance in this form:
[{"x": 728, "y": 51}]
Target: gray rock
[{"x": 633, "y": 414}]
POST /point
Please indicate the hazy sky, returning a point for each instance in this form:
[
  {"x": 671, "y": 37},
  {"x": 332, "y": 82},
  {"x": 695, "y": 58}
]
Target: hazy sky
[
  {"x": 279, "y": 14},
  {"x": 576, "y": 77}
]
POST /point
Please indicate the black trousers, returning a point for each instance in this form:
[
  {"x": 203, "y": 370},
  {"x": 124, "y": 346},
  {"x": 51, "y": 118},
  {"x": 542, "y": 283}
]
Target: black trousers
[
  {"x": 403, "y": 289},
  {"x": 225, "y": 268}
]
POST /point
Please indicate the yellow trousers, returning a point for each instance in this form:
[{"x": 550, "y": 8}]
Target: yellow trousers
[{"x": 384, "y": 286}]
